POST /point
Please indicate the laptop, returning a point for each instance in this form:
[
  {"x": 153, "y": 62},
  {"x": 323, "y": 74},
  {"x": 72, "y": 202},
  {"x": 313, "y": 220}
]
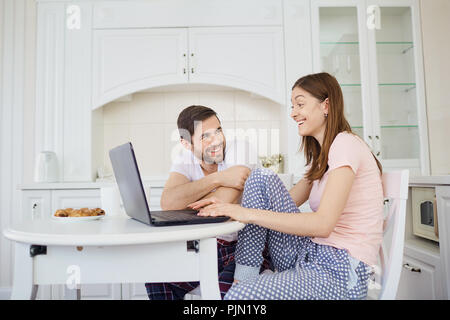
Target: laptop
[{"x": 132, "y": 192}]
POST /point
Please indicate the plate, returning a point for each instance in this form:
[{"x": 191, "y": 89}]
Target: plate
[{"x": 77, "y": 219}]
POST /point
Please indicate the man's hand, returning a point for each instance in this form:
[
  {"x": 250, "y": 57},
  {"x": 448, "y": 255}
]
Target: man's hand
[{"x": 234, "y": 177}]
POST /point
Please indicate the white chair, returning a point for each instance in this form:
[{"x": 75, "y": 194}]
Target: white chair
[{"x": 395, "y": 190}]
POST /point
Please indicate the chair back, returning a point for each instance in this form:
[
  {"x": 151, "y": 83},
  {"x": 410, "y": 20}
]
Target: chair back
[{"x": 395, "y": 191}]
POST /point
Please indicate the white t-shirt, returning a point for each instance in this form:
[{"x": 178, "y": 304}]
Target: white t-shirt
[{"x": 237, "y": 152}]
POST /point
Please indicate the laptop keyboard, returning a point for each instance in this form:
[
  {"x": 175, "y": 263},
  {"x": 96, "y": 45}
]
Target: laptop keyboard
[{"x": 176, "y": 215}]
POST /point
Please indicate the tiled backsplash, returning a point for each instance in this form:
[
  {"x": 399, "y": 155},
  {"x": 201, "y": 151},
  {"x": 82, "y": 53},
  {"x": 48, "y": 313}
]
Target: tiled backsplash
[{"x": 148, "y": 120}]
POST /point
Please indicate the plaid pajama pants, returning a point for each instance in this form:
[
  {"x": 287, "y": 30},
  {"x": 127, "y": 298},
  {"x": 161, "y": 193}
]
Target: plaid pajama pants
[
  {"x": 304, "y": 269},
  {"x": 226, "y": 265}
]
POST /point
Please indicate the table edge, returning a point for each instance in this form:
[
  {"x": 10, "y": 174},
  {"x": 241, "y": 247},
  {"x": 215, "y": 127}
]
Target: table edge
[{"x": 122, "y": 239}]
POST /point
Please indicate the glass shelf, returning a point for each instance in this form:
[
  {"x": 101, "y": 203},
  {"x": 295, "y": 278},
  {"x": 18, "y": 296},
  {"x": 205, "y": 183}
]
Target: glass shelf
[
  {"x": 389, "y": 126},
  {"x": 350, "y": 84},
  {"x": 383, "y": 47},
  {"x": 357, "y": 42},
  {"x": 409, "y": 84},
  {"x": 400, "y": 126},
  {"x": 412, "y": 85},
  {"x": 338, "y": 42}
]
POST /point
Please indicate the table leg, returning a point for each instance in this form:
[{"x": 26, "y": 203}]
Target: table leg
[
  {"x": 72, "y": 294},
  {"x": 23, "y": 288},
  {"x": 209, "y": 279}
]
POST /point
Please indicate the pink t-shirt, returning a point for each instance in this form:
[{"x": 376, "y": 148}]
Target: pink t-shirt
[{"x": 359, "y": 229}]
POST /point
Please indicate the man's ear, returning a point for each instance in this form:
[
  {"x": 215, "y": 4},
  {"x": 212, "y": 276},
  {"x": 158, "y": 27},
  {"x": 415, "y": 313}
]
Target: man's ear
[{"x": 187, "y": 145}]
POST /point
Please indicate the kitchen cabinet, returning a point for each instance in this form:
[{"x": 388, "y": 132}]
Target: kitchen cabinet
[
  {"x": 421, "y": 276},
  {"x": 373, "y": 48},
  {"x": 141, "y": 59},
  {"x": 425, "y": 273},
  {"x": 249, "y": 58}
]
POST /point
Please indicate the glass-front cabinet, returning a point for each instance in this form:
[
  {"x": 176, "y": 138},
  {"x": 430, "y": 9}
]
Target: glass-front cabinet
[{"x": 373, "y": 48}]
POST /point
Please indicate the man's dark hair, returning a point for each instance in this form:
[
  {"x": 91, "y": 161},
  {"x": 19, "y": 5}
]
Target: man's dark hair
[{"x": 189, "y": 117}]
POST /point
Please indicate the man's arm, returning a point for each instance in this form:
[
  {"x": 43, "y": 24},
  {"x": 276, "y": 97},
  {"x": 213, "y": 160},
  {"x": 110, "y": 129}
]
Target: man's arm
[{"x": 179, "y": 191}]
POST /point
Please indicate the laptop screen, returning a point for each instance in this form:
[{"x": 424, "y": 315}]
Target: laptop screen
[{"x": 129, "y": 181}]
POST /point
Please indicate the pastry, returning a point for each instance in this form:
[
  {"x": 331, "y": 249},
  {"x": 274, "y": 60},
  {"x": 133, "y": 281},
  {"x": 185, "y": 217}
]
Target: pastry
[{"x": 83, "y": 212}]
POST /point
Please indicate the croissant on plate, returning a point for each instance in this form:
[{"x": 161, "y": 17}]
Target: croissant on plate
[{"x": 82, "y": 212}]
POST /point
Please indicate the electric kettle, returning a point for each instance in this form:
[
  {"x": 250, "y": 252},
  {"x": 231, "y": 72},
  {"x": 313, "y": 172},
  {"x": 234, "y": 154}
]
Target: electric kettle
[{"x": 46, "y": 169}]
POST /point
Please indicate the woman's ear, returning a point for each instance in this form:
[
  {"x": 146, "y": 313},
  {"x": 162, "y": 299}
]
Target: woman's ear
[{"x": 325, "y": 106}]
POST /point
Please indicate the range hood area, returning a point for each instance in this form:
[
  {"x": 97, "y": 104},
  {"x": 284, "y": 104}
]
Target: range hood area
[{"x": 148, "y": 119}]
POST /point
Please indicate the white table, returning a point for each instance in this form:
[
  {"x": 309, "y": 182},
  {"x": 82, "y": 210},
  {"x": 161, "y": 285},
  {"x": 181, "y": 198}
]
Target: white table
[{"x": 113, "y": 250}]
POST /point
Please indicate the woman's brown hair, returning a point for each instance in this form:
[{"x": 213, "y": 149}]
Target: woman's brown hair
[{"x": 323, "y": 86}]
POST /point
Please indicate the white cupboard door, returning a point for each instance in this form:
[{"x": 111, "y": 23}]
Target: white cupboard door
[
  {"x": 417, "y": 281},
  {"x": 248, "y": 58},
  {"x": 339, "y": 46},
  {"x": 134, "y": 291},
  {"x": 397, "y": 79},
  {"x": 443, "y": 211},
  {"x": 130, "y": 60},
  {"x": 101, "y": 291},
  {"x": 36, "y": 204}
]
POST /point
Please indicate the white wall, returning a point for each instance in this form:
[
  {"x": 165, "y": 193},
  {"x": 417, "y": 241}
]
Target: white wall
[
  {"x": 435, "y": 17},
  {"x": 17, "y": 33},
  {"x": 149, "y": 122}
]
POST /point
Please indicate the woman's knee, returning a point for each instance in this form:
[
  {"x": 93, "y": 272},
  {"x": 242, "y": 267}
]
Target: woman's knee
[{"x": 259, "y": 176}]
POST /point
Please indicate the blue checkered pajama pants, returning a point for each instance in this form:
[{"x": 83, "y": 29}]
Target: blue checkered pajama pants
[
  {"x": 303, "y": 269},
  {"x": 225, "y": 264}
]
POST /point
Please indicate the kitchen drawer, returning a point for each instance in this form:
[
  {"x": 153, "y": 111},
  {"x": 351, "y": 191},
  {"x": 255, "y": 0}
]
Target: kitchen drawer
[
  {"x": 155, "y": 198},
  {"x": 36, "y": 204},
  {"x": 82, "y": 198}
]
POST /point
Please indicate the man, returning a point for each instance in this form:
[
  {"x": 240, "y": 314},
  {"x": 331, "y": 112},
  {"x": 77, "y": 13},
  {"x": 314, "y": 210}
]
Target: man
[{"x": 207, "y": 168}]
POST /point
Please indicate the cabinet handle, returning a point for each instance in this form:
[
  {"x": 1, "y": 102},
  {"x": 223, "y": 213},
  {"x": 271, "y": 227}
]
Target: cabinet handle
[
  {"x": 370, "y": 137},
  {"x": 378, "y": 153},
  {"x": 185, "y": 63},
  {"x": 33, "y": 211},
  {"x": 410, "y": 268},
  {"x": 192, "y": 62}
]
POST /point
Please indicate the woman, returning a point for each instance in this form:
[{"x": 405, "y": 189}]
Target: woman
[{"x": 325, "y": 254}]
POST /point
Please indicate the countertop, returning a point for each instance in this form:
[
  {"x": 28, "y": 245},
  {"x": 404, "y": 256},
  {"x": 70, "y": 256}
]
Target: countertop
[{"x": 159, "y": 181}]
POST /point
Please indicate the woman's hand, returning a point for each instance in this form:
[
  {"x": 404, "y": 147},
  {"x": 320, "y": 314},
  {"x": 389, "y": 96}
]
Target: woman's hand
[
  {"x": 204, "y": 202},
  {"x": 234, "y": 211}
]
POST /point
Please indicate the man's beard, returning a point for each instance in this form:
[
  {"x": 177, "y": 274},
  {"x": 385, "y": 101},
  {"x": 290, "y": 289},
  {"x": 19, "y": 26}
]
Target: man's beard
[{"x": 214, "y": 160}]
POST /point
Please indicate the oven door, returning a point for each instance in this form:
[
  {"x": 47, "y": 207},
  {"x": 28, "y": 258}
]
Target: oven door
[{"x": 424, "y": 213}]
